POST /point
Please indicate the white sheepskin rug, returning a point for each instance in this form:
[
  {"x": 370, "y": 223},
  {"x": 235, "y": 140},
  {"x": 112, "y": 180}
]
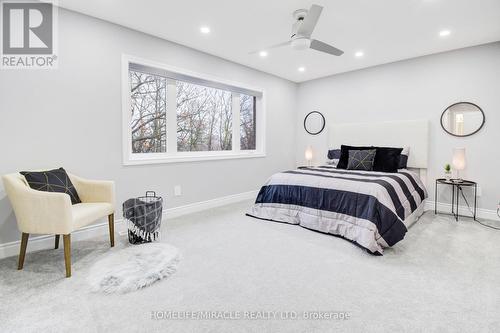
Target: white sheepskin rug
[{"x": 133, "y": 268}]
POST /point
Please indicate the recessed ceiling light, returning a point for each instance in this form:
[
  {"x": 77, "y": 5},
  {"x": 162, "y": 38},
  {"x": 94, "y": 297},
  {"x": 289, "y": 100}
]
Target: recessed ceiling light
[
  {"x": 444, "y": 33},
  {"x": 263, "y": 54},
  {"x": 301, "y": 69},
  {"x": 359, "y": 54},
  {"x": 205, "y": 30}
]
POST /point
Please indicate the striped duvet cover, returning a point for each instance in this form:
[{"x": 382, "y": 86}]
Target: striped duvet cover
[{"x": 368, "y": 208}]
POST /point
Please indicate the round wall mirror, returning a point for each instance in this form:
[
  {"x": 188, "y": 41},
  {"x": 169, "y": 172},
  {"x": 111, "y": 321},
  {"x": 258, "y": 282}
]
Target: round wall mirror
[
  {"x": 462, "y": 119},
  {"x": 314, "y": 123}
]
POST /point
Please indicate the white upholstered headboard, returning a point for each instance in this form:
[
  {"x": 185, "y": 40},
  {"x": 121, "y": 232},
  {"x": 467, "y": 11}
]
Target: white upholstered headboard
[{"x": 413, "y": 134}]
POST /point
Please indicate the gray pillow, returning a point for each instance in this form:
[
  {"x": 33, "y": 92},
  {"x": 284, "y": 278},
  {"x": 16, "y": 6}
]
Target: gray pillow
[
  {"x": 333, "y": 157},
  {"x": 361, "y": 159}
]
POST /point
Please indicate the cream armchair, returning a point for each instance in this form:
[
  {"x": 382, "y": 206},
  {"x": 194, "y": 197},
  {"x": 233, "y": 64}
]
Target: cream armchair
[{"x": 39, "y": 212}]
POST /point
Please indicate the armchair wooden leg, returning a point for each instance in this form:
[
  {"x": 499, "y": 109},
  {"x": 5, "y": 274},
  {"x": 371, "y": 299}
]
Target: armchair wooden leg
[
  {"x": 67, "y": 253},
  {"x": 22, "y": 251},
  {"x": 57, "y": 242},
  {"x": 111, "y": 222}
]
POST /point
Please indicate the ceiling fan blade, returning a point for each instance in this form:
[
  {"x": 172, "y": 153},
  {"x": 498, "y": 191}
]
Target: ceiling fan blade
[
  {"x": 323, "y": 47},
  {"x": 309, "y": 23},
  {"x": 272, "y": 47}
]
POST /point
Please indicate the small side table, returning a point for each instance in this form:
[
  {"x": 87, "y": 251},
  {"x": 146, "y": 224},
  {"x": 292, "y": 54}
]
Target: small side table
[{"x": 456, "y": 186}]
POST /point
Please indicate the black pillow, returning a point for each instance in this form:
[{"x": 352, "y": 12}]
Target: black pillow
[
  {"x": 56, "y": 180},
  {"x": 387, "y": 159},
  {"x": 403, "y": 159},
  {"x": 361, "y": 159},
  {"x": 344, "y": 155},
  {"x": 334, "y": 154}
]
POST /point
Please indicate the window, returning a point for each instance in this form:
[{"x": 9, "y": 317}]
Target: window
[
  {"x": 148, "y": 97},
  {"x": 172, "y": 115},
  {"x": 204, "y": 118},
  {"x": 247, "y": 121}
]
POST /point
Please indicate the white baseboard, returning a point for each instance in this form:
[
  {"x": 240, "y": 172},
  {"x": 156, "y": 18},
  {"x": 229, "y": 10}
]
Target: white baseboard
[
  {"x": 487, "y": 214},
  {"x": 43, "y": 242},
  {"x": 204, "y": 205}
]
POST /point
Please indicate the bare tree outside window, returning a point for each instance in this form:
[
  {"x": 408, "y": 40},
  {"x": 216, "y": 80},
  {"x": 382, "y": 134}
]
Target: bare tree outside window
[
  {"x": 247, "y": 119},
  {"x": 148, "y": 107},
  {"x": 204, "y": 118}
]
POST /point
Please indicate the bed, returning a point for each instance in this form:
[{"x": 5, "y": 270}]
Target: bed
[{"x": 372, "y": 209}]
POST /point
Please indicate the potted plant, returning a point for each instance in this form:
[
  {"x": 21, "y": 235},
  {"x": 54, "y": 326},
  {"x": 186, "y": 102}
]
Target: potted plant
[{"x": 447, "y": 171}]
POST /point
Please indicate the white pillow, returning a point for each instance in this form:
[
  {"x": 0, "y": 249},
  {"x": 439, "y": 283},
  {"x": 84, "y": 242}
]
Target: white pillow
[{"x": 333, "y": 162}]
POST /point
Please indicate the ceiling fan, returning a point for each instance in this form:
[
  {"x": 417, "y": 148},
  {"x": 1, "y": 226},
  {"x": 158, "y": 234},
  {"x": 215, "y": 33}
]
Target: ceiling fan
[{"x": 302, "y": 30}]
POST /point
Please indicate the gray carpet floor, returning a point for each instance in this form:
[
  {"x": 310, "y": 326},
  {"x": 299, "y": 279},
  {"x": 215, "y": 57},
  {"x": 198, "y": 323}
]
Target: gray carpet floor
[{"x": 443, "y": 277}]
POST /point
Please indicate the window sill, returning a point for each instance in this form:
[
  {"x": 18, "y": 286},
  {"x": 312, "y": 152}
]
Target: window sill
[{"x": 181, "y": 159}]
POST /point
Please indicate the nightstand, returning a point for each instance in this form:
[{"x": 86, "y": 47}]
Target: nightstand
[{"x": 456, "y": 188}]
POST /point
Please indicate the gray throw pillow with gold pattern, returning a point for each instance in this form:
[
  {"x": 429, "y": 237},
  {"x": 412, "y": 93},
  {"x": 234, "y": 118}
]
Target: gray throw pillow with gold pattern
[
  {"x": 361, "y": 159},
  {"x": 56, "y": 180}
]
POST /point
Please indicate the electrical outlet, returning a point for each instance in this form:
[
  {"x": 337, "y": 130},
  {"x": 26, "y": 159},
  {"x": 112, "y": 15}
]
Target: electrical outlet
[
  {"x": 479, "y": 191},
  {"x": 177, "y": 190}
]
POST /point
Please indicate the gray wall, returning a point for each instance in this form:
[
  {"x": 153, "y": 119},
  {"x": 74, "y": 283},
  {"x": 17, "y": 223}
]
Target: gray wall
[
  {"x": 71, "y": 117},
  {"x": 419, "y": 88}
]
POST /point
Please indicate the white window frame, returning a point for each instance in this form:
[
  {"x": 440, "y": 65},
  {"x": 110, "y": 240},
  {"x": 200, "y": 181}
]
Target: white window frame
[{"x": 172, "y": 155}]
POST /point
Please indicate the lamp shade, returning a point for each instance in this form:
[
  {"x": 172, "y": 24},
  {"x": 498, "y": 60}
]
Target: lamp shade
[
  {"x": 458, "y": 161},
  {"x": 309, "y": 153}
]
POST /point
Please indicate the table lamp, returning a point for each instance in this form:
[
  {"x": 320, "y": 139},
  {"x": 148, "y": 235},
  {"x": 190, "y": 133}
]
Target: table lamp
[
  {"x": 458, "y": 161},
  {"x": 309, "y": 155}
]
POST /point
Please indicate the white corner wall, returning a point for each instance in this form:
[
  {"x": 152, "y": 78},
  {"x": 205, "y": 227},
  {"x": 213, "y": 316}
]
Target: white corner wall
[
  {"x": 71, "y": 117},
  {"x": 419, "y": 88}
]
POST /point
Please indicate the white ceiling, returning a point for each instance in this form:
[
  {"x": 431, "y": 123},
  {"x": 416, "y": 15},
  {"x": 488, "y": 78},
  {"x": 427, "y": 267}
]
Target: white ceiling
[{"x": 385, "y": 30}]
